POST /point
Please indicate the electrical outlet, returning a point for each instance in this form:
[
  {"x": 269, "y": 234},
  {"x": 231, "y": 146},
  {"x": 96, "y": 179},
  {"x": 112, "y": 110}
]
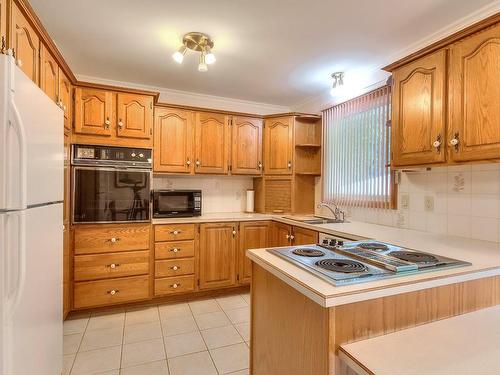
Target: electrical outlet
[
  {"x": 405, "y": 201},
  {"x": 429, "y": 203}
]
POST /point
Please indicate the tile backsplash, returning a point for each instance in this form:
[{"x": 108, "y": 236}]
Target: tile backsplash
[
  {"x": 457, "y": 200},
  {"x": 219, "y": 193}
]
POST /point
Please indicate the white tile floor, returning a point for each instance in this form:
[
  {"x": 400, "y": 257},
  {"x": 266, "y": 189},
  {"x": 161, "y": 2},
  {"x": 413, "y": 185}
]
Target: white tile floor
[{"x": 199, "y": 337}]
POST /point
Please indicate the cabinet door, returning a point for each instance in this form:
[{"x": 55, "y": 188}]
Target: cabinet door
[
  {"x": 281, "y": 234},
  {"x": 474, "y": 96},
  {"x": 212, "y": 142},
  {"x": 49, "y": 75},
  {"x": 217, "y": 255},
  {"x": 94, "y": 111},
  {"x": 419, "y": 112},
  {"x": 278, "y": 145},
  {"x": 173, "y": 141},
  {"x": 26, "y": 44},
  {"x": 246, "y": 146},
  {"x": 134, "y": 116},
  {"x": 3, "y": 22},
  {"x": 253, "y": 235},
  {"x": 66, "y": 271},
  {"x": 67, "y": 179},
  {"x": 303, "y": 236},
  {"x": 65, "y": 98}
]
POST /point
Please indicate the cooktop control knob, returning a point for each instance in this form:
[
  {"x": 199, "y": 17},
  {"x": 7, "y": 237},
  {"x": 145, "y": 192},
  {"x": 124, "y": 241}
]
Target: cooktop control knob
[
  {"x": 340, "y": 243},
  {"x": 141, "y": 155},
  {"x": 325, "y": 241},
  {"x": 333, "y": 242},
  {"x": 132, "y": 154}
]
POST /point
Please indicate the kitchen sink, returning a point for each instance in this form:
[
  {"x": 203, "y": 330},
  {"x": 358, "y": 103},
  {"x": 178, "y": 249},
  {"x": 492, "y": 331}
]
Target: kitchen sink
[{"x": 314, "y": 220}]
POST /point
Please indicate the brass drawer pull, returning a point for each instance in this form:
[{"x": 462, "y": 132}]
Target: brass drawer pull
[
  {"x": 113, "y": 265},
  {"x": 175, "y": 232},
  {"x": 175, "y": 250},
  {"x": 175, "y": 268},
  {"x": 114, "y": 239},
  {"x": 175, "y": 286},
  {"x": 113, "y": 292}
]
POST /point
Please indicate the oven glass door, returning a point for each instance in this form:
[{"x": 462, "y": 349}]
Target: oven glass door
[
  {"x": 173, "y": 204},
  {"x": 111, "y": 195}
]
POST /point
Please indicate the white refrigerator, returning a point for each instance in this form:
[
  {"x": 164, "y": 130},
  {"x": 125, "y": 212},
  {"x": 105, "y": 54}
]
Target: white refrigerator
[{"x": 31, "y": 226}]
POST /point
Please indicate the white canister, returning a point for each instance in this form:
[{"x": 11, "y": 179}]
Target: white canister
[{"x": 250, "y": 201}]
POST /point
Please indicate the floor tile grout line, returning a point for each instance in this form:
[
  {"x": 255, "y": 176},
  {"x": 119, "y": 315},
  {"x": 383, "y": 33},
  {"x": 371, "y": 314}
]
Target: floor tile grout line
[
  {"x": 79, "y": 345},
  {"x": 123, "y": 339},
  {"x": 199, "y": 330},
  {"x": 163, "y": 340}
]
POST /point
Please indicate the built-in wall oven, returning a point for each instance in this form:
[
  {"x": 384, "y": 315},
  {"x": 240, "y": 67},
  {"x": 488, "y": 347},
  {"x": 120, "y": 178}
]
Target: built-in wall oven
[
  {"x": 176, "y": 203},
  {"x": 111, "y": 184}
]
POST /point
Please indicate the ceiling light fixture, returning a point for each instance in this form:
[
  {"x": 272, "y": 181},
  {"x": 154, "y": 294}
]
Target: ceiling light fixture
[
  {"x": 198, "y": 42},
  {"x": 338, "y": 80}
]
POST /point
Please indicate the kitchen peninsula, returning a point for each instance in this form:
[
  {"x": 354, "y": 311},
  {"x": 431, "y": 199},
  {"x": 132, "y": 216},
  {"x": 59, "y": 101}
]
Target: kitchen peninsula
[{"x": 299, "y": 320}]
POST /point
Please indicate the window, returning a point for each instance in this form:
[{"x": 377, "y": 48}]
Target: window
[{"x": 356, "y": 159}]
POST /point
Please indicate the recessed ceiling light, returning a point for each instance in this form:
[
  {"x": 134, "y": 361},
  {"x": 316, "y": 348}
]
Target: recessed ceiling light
[{"x": 198, "y": 42}]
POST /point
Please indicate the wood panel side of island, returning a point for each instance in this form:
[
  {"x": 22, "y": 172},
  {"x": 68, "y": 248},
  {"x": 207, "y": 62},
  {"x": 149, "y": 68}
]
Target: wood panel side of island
[{"x": 293, "y": 335}]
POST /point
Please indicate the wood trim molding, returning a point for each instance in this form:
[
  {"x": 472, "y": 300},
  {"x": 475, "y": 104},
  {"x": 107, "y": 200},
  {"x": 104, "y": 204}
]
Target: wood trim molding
[
  {"x": 99, "y": 86},
  {"x": 478, "y": 26},
  {"x": 35, "y": 22},
  {"x": 209, "y": 110}
]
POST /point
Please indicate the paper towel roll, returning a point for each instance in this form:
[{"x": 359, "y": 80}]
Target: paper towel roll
[{"x": 250, "y": 200}]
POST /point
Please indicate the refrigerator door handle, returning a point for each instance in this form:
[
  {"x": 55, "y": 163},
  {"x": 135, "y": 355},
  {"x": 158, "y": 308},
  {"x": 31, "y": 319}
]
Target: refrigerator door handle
[
  {"x": 16, "y": 121},
  {"x": 14, "y": 299}
]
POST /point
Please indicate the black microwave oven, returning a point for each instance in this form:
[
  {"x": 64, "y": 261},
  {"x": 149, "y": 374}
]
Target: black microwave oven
[{"x": 176, "y": 203}]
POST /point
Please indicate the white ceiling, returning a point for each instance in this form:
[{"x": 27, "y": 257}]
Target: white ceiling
[{"x": 271, "y": 51}]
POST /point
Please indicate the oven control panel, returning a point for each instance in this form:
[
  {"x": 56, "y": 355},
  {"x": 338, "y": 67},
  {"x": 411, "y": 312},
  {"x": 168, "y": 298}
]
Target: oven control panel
[{"x": 107, "y": 155}]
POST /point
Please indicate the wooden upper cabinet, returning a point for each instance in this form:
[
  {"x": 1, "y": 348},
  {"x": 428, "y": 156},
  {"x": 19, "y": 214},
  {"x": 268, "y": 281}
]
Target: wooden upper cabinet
[
  {"x": 3, "y": 22},
  {"x": 134, "y": 116},
  {"x": 474, "y": 96},
  {"x": 65, "y": 99},
  {"x": 173, "y": 140},
  {"x": 253, "y": 235},
  {"x": 246, "y": 146},
  {"x": 211, "y": 143},
  {"x": 94, "y": 111},
  {"x": 419, "y": 111},
  {"x": 278, "y": 145},
  {"x": 217, "y": 262},
  {"x": 49, "y": 75},
  {"x": 26, "y": 44}
]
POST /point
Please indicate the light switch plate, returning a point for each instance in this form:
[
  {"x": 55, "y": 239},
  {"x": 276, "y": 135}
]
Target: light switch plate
[
  {"x": 405, "y": 201},
  {"x": 429, "y": 203}
]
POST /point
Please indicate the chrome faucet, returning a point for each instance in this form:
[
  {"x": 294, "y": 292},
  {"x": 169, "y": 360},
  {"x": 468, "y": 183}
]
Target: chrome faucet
[{"x": 337, "y": 213}]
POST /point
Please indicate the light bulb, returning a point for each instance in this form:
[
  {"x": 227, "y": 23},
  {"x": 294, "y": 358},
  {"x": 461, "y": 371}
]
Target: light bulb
[
  {"x": 202, "y": 66},
  {"x": 178, "y": 56},
  {"x": 209, "y": 56}
]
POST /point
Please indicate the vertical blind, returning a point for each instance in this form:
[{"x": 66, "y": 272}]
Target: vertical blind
[{"x": 356, "y": 154}]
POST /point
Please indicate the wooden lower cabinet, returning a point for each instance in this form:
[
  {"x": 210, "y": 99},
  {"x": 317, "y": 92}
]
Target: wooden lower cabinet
[
  {"x": 253, "y": 235},
  {"x": 281, "y": 234},
  {"x": 302, "y": 236},
  {"x": 174, "y": 250},
  {"x": 174, "y": 285},
  {"x": 217, "y": 257},
  {"x": 174, "y": 232},
  {"x": 174, "y": 267},
  {"x": 112, "y": 291}
]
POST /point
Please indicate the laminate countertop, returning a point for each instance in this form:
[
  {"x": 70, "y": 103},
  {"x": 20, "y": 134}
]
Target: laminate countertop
[
  {"x": 214, "y": 218},
  {"x": 462, "y": 345},
  {"x": 483, "y": 255}
]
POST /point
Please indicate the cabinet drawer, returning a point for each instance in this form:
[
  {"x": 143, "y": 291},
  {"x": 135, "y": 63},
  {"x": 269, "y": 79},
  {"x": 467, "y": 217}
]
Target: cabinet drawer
[
  {"x": 104, "y": 238},
  {"x": 108, "y": 292},
  {"x": 171, "y": 250},
  {"x": 174, "y": 232},
  {"x": 171, "y": 285},
  {"x": 105, "y": 266},
  {"x": 174, "y": 267}
]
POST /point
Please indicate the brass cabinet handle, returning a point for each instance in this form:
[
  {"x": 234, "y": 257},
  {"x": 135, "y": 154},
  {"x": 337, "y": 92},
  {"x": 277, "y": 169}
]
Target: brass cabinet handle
[
  {"x": 287, "y": 236},
  {"x": 114, "y": 239},
  {"x": 455, "y": 141},
  {"x": 188, "y": 162},
  {"x": 107, "y": 123},
  {"x": 120, "y": 123},
  {"x": 197, "y": 162},
  {"x": 437, "y": 143},
  {"x": 175, "y": 285},
  {"x": 113, "y": 292},
  {"x": 259, "y": 165},
  {"x": 175, "y": 268},
  {"x": 175, "y": 232},
  {"x": 175, "y": 250},
  {"x": 289, "y": 164},
  {"x": 292, "y": 237},
  {"x": 113, "y": 265}
]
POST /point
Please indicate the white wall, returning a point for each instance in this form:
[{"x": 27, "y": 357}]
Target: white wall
[
  {"x": 219, "y": 193},
  {"x": 466, "y": 202}
]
